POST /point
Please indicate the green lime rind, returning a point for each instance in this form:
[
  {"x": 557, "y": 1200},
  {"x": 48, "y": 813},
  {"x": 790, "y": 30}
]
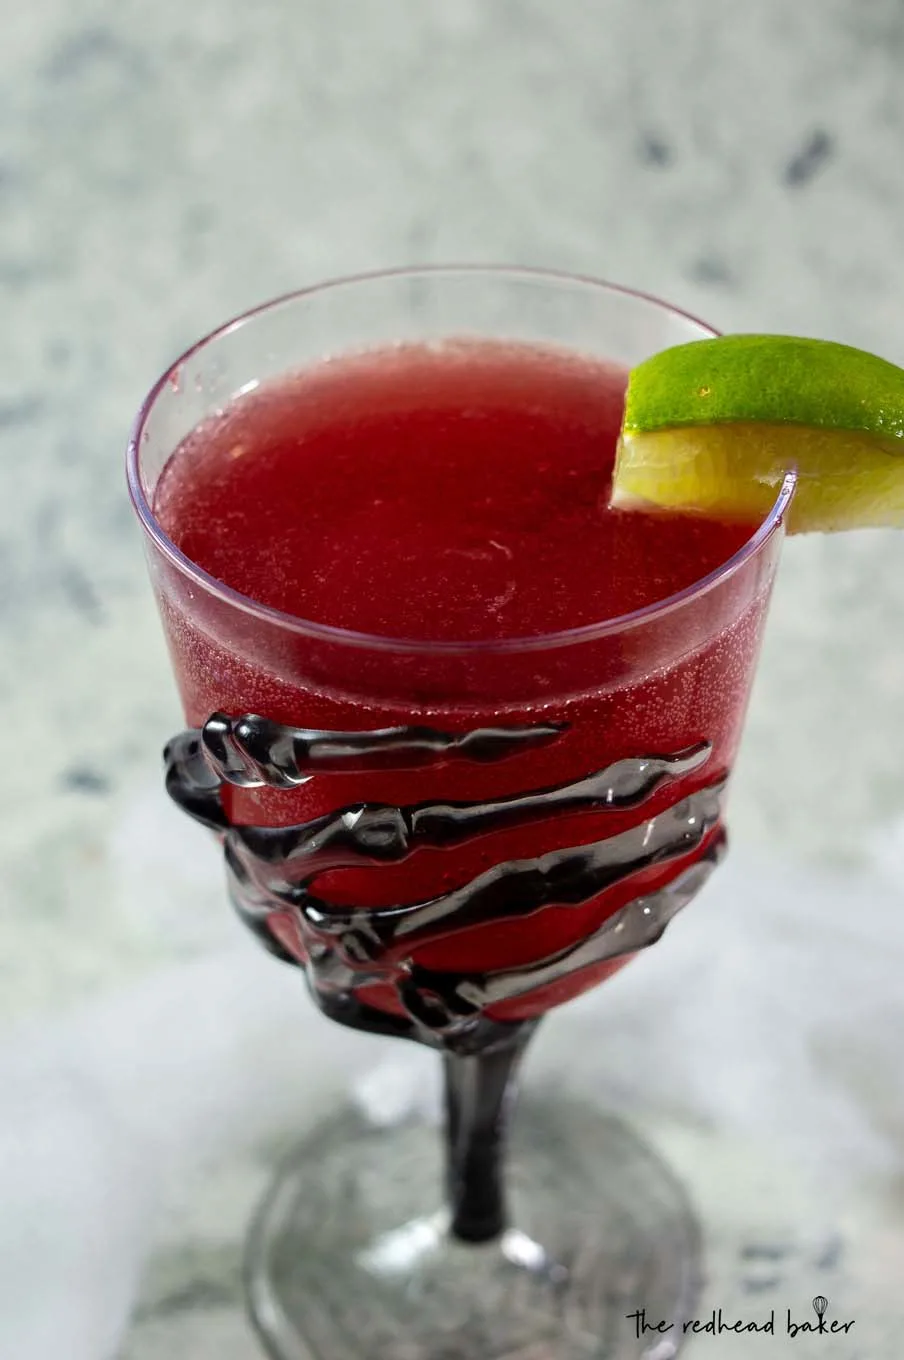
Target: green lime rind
[{"x": 775, "y": 379}]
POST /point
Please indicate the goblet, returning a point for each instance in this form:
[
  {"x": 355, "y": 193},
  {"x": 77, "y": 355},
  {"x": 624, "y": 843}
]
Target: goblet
[{"x": 450, "y": 838}]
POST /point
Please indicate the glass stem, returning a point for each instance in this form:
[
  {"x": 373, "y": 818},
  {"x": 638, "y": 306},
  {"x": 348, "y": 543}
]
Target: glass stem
[{"x": 480, "y": 1093}]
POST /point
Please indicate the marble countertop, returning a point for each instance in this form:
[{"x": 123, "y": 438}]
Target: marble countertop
[{"x": 164, "y": 167}]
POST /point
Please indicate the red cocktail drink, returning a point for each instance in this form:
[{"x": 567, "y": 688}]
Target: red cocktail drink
[{"x": 459, "y": 494}]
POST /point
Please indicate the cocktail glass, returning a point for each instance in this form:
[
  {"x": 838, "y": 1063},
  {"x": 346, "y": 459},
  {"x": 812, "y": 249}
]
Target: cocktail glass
[{"x": 547, "y": 1243}]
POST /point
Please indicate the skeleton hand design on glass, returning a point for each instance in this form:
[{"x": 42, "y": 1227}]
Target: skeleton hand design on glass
[{"x": 345, "y": 949}]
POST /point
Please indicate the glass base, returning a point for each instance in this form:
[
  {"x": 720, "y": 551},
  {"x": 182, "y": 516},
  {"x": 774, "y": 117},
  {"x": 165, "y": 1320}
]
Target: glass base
[{"x": 349, "y": 1257}]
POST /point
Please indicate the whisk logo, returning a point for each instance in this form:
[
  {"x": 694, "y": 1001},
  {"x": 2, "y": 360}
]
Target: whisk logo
[
  {"x": 823, "y": 1322},
  {"x": 721, "y": 1321}
]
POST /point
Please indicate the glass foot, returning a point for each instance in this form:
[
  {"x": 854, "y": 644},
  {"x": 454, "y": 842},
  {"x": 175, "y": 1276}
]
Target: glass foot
[{"x": 349, "y": 1257}]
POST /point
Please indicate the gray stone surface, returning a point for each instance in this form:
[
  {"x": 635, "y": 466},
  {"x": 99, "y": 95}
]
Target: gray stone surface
[{"x": 163, "y": 166}]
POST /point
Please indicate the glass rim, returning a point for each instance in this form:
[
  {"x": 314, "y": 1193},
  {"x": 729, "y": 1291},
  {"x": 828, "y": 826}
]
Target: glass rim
[{"x": 419, "y": 646}]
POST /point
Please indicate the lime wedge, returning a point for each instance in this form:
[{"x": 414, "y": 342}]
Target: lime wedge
[{"x": 714, "y": 426}]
